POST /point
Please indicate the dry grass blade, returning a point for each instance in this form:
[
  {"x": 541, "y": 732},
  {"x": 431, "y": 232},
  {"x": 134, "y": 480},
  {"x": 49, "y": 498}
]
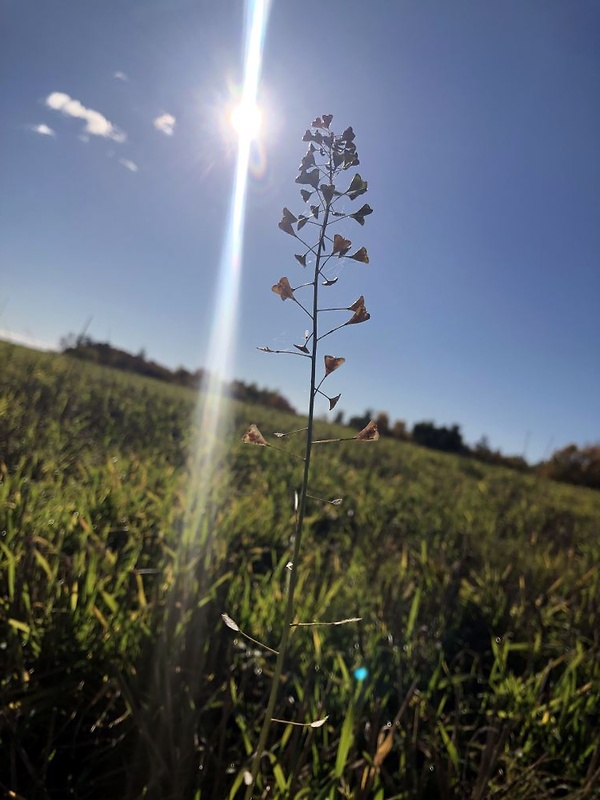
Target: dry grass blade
[
  {"x": 315, "y": 624},
  {"x": 318, "y": 723},
  {"x": 235, "y": 627}
]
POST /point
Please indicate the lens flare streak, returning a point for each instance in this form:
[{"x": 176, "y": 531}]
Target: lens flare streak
[
  {"x": 211, "y": 411},
  {"x": 180, "y": 651}
]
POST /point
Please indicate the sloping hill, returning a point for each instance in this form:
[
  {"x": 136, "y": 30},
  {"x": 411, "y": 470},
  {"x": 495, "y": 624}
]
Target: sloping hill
[{"x": 478, "y": 591}]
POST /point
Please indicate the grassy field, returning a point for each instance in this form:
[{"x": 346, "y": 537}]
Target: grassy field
[{"x": 478, "y": 589}]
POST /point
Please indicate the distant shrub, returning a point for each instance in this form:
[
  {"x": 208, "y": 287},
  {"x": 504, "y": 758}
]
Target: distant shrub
[{"x": 577, "y": 465}]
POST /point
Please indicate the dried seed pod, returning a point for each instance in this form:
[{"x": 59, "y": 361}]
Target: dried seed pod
[
  {"x": 369, "y": 433},
  {"x": 254, "y": 436},
  {"x": 332, "y": 363},
  {"x": 283, "y": 289}
]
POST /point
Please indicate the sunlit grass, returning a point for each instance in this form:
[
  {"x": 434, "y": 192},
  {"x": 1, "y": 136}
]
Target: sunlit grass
[{"x": 478, "y": 583}]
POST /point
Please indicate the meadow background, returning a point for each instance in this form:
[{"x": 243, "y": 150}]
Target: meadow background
[{"x": 477, "y": 587}]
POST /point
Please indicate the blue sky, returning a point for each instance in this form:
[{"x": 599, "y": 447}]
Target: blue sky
[{"x": 478, "y": 130}]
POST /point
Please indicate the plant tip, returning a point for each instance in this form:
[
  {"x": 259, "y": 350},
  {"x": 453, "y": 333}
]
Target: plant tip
[{"x": 230, "y": 623}]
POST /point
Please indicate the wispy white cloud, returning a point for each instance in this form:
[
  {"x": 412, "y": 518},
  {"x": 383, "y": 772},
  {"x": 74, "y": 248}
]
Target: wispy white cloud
[
  {"x": 96, "y": 123},
  {"x": 42, "y": 129},
  {"x": 130, "y": 165},
  {"x": 120, "y": 76},
  {"x": 165, "y": 124}
]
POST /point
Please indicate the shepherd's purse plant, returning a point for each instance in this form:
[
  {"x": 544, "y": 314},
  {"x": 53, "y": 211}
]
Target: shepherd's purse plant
[{"x": 330, "y": 185}]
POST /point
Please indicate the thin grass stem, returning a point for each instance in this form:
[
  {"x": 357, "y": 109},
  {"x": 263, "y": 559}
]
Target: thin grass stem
[{"x": 289, "y": 608}]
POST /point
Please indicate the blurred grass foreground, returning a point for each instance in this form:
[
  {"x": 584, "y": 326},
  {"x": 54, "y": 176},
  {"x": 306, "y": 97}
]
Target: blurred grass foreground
[{"x": 474, "y": 673}]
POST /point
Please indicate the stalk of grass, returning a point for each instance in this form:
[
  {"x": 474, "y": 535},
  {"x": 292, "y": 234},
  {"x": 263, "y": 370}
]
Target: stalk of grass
[
  {"x": 289, "y": 609},
  {"x": 341, "y": 154}
]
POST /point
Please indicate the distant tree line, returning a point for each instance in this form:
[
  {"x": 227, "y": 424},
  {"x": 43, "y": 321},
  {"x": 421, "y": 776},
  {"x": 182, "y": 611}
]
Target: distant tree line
[
  {"x": 103, "y": 353},
  {"x": 425, "y": 433},
  {"x": 572, "y": 464}
]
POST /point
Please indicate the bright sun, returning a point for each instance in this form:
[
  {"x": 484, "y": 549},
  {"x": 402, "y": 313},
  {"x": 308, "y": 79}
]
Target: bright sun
[{"x": 245, "y": 119}]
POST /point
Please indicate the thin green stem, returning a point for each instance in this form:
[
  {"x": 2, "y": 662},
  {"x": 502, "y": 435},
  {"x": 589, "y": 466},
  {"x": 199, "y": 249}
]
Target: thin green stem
[
  {"x": 255, "y": 641},
  {"x": 289, "y": 608},
  {"x": 298, "y": 303},
  {"x": 333, "y": 330},
  {"x": 284, "y": 352}
]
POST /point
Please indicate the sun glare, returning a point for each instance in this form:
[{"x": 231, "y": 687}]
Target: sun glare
[
  {"x": 213, "y": 411},
  {"x": 246, "y": 119}
]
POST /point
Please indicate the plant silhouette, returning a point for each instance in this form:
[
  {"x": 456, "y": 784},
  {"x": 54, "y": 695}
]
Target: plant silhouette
[{"x": 328, "y": 204}]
